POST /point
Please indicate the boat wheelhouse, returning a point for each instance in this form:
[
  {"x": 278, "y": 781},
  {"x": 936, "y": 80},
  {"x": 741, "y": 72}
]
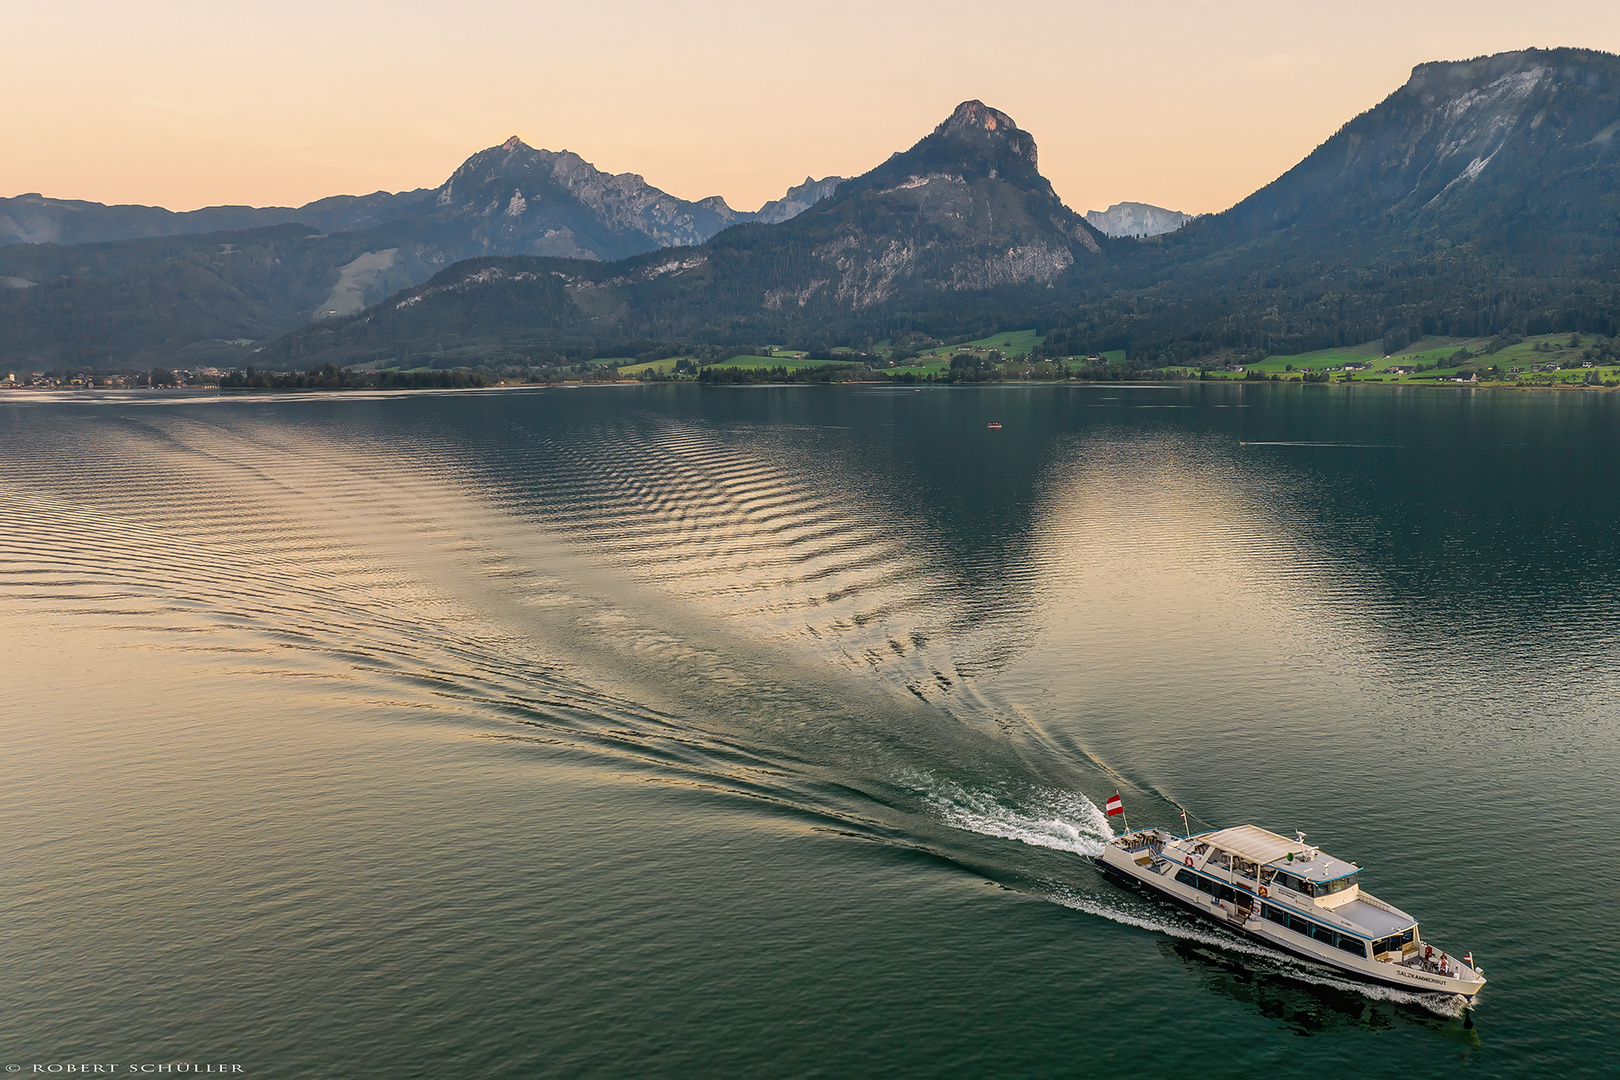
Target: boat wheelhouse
[{"x": 1290, "y": 895}]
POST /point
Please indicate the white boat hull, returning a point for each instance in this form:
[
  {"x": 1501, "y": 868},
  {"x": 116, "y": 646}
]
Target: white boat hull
[{"x": 1244, "y": 916}]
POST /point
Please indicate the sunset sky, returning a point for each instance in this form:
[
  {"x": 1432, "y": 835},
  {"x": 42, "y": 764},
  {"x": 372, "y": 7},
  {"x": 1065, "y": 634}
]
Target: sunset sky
[{"x": 1183, "y": 104}]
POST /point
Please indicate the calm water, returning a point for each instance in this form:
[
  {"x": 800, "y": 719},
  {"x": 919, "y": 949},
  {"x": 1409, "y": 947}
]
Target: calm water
[{"x": 760, "y": 731}]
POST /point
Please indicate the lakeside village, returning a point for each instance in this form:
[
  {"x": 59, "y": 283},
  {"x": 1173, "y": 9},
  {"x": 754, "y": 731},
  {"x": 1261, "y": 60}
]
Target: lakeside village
[{"x": 1572, "y": 361}]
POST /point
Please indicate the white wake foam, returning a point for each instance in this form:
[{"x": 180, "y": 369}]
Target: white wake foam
[{"x": 1062, "y": 820}]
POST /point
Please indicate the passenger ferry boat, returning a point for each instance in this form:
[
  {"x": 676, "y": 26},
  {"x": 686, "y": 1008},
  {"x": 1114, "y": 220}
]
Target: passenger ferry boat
[{"x": 1290, "y": 895}]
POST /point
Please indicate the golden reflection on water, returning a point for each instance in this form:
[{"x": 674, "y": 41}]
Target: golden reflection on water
[{"x": 270, "y": 658}]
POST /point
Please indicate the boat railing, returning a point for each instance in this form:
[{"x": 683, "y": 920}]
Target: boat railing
[{"x": 1452, "y": 969}]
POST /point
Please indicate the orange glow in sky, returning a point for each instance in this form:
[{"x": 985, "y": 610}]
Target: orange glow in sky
[{"x": 1190, "y": 105}]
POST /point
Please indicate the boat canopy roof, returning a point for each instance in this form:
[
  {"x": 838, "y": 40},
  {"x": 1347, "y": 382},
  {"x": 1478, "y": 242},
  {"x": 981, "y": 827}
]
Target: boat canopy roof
[{"x": 1254, "y": 843}]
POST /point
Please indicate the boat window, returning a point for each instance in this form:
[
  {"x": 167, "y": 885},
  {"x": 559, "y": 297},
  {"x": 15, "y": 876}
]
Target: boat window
[
  {"x": 1395, "y": 942},
  {"x": 1220, "y": 890},
  {"x": 1283, "y": 917},
  {"x": 1338, "y": 884},
  {"x": 1316, "y": 931}
]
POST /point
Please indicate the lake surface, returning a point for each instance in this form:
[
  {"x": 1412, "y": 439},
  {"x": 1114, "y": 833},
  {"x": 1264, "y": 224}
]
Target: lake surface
[{"x": 681, "y": 730}]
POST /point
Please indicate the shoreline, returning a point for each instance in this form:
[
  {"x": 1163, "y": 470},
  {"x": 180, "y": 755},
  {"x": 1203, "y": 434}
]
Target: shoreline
[{"x": 234, "y": 393}]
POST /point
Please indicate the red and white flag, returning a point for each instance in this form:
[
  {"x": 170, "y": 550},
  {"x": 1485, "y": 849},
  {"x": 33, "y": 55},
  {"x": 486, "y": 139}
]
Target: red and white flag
[{"x": 1115, "y": 806}]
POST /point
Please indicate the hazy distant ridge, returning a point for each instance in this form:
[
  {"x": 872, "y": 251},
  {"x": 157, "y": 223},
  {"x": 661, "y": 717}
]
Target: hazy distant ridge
[
  {"x": 37, "y": 219},
  {"x": 1136, "y": 219}
]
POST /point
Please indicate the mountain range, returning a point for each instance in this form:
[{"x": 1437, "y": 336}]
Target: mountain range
[
  {"x": 511, "y": 199},
  {"x": 1480, "y": 197},
  {"x": 963, "y": 214},
  {"x": 132, "y": 285}
]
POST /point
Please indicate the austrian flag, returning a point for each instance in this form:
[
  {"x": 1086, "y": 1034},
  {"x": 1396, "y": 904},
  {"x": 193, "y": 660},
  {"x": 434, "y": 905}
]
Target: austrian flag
[{"x": 1115, "y": 806}]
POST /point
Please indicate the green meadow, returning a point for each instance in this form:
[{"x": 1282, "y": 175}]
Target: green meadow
[
  {"x": 662, "y": 367},
  {"x": 791, "y": 361},
  {"x": 1541, "y": 351},
  {"x": 1009, "y": 343}
]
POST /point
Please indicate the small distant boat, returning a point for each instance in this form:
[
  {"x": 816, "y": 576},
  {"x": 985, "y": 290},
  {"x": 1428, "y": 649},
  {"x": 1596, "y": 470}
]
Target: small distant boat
[
  {"x": 994, "y": 425},
  {"x": 1289, "y": 895}
]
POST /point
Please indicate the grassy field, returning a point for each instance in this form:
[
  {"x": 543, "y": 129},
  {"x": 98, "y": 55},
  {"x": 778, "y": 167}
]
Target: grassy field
[
  {"x": 1010, "y": 343},
  {"x": 1535, "y": 351},
  {"x": 923, "y": 365},
  {"x": 791, "y": 361},
  {"x": 1314, "y": 361},
  {"x": 663, "y": 367}
]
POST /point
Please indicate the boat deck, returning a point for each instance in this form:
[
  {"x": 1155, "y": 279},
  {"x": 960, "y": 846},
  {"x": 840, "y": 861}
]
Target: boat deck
[
  {"x": 1375, "y": 920},
  {"x": 1454, "y": 969}
]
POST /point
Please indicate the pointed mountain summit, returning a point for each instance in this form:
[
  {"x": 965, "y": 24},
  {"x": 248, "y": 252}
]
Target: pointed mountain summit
[
  {"x": 965, "y": 209},
  {"x": 513, "y": 199},
  {"x": 974, "y": 143}
]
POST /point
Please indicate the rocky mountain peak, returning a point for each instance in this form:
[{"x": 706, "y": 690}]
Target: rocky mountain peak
[
  {"x": 976, "y": 116},
  {"x": 976, "y": 142},
  {"x": 979, "y": 131},
  {"x": 514, "y": 143}
]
